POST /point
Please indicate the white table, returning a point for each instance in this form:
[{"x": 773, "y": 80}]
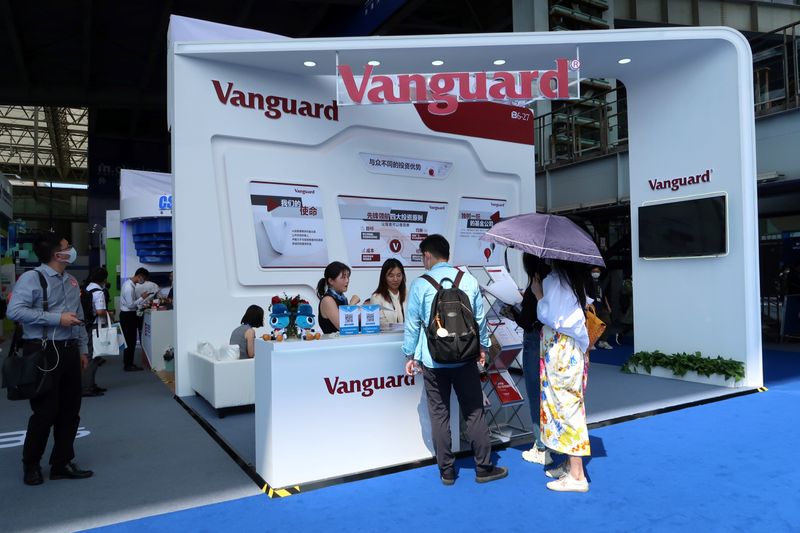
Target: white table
[
  {"x": 321, "y": 414},
  {"x": 157, "y": 336}
]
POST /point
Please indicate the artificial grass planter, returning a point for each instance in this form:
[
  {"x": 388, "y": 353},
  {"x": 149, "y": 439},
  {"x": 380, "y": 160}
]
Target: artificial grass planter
[{"x": 690, "y": 367}]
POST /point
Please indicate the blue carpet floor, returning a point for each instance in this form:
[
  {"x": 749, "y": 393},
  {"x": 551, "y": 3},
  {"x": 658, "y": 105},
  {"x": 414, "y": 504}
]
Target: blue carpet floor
[{"x": 724, "y": 466}]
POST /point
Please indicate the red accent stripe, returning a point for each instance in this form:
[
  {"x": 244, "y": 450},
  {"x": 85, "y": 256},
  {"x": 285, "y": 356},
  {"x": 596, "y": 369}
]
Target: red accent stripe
[{"x": 486, "y": 120}]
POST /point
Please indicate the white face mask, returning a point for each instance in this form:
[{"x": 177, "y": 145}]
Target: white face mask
[
  {"x": 71, "y": 256},
  {"x": 596, "y": 275}
]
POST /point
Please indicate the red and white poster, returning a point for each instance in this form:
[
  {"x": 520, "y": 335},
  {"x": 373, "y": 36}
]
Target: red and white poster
[
  {"x": 507, "y": 391},
  {"x": 376, "y": 229},
  {"x": 475, "y": 217}
]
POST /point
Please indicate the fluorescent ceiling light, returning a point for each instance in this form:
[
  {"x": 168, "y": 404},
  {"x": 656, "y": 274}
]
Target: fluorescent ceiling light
[
  {"x": 309, "y": 63},
  {"x": 46, "y": 184},
  {"x": 437, "y": 62},
  {"x": 373, "y": 63},
  {"x": 624, "y": 61},
  {"x": 499, "y": 62}
]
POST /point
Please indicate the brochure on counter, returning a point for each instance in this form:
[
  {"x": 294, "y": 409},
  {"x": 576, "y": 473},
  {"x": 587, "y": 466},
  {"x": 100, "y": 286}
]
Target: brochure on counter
[{"x": 507, "y": 391}]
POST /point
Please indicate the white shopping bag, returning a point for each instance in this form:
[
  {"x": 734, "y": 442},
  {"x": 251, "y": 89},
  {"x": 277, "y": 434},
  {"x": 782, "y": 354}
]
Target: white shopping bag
[{"x": 105, "y": 341}]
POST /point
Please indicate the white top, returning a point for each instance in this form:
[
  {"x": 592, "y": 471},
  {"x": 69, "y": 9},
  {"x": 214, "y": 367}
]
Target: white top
[
  {"x": 559, "y": 309},
  {"x": 127, "y": 297},
  {"x": 98, "y": 298},
  {"x": 147, "y": 286},
  {"x": 391, "y": 312}
]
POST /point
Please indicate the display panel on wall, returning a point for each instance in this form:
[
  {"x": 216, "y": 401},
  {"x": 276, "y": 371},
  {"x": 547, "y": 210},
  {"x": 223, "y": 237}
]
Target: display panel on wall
[
  {"x": 376, "y": 229},
  {"x": 475, "y": 217},
  {"x": 290, "y": 229},
  {"x": 696, "y": 227}
]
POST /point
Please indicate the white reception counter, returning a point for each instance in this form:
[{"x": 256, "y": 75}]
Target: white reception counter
[
  {"x": 157, "y": 336},
  {"x": 336, "y": 407}
]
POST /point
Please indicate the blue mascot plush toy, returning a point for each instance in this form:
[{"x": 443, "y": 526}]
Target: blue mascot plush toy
[
  {"x": 279, "y": 320},
  {"x": 305, "y": 322}
]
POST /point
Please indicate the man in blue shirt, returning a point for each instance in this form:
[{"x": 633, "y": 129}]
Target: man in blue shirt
[
  {"x": 61, "y": 333},
  {"x": 440, "y": 378}
]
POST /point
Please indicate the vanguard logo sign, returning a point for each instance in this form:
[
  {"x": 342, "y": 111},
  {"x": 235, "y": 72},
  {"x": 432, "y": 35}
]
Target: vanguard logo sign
[
  {"x": 445, "y": 90},
  {"x": 675, "y": 184},
  {"x": 274, "y": 107},
  {"x": 367, "y": 386}
]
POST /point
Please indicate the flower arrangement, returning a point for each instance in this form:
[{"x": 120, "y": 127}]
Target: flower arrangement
[{"x": 291, "y": 303}]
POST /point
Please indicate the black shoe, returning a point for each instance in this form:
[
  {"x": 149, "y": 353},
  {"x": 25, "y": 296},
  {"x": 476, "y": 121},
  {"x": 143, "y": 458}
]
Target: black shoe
[
  {"x": 33, "y": 475},
  {"x": 69, "y": 471},
  {"x": 448, "y": 478},
  {"x": 497, "y": 472},
  {"x": 99, "y": 389},
  {"x": 91, "y": 393},
  {"x": 133, "y": 368}
]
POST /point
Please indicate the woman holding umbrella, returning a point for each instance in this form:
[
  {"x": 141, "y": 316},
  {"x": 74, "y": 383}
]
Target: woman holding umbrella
[
  {"x": 564, "y": 339},
  {"x": 563, "y": 345}
]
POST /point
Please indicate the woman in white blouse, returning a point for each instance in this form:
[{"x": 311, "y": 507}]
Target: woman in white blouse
[
  {"x": 391, "y": 293},
  {"x": 563, "y": 370}
]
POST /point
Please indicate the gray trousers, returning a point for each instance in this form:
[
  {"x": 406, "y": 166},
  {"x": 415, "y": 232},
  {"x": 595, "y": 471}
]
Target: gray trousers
[{"x": 465, "y": 380}]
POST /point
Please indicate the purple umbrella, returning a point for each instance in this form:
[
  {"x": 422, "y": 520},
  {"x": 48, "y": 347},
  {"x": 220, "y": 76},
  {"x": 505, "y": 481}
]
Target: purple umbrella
[{"x": 546, "y": 236}]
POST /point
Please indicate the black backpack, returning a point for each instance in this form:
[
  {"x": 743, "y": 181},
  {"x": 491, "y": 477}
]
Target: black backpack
[
  {"x": 87, "y": 304},
  {"x": 452, "y": 331}
]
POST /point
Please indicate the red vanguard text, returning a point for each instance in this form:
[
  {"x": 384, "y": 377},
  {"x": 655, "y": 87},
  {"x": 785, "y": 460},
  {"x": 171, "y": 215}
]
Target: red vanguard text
[
  {"x": 367, "y": 386},
  {"x": 445, "y": 90}
]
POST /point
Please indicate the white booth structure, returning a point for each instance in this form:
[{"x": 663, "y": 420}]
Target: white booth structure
[
  {"x": 145, "y": 231},
  {"x": 275, "y": 177}
]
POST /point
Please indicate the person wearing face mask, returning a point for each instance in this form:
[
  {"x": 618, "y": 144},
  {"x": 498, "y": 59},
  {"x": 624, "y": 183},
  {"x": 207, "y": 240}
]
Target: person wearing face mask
[
  {"x": 330, "y": 291},
  {"x": 596, "y": 289},
  {"x": 61, "y": 332},
  {"x": 129, "y": 304},
  {"x": 391, "y": 293}
]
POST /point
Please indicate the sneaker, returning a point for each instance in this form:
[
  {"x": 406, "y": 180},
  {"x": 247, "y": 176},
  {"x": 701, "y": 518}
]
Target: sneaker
[
  {"x": 448, "y": 478},
  {"x": 497, "y": 472},
  {"x": 618, "y": 339},
  {"x": 558, "y": 471},
  {"x": 534, "y": 455},
  {"x": 604, "y": 345},
  {"x": 567, "y": 483}
]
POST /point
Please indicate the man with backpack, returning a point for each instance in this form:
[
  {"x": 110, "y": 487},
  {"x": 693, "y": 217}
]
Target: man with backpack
[{"x": 445, "y": 339}]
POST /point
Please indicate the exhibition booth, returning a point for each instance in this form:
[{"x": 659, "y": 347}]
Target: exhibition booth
[
  {"x": 285, "y": 158},
  {"x": 145, "y": 233}
]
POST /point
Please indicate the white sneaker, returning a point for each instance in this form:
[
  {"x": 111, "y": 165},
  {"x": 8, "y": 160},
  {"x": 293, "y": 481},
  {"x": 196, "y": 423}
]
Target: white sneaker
[
  {"x": 534, "y": 455},
  {"x": 604, "y": 345},
  {"x": 567, "y": 483}
]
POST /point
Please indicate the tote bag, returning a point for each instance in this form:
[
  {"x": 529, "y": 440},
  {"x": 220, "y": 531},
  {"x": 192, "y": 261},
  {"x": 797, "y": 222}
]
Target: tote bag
[
  {"x": 594, "y": 326},
  {"x": 105, "y": 340}
]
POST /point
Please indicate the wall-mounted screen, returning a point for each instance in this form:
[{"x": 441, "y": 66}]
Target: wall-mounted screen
[{"x": 689, "y": 228}]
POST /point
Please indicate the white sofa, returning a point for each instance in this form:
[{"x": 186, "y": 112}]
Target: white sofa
[{"x": 223, "y": 383}]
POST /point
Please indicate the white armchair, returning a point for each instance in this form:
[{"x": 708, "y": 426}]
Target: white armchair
[{"x": 223, "y": 383}]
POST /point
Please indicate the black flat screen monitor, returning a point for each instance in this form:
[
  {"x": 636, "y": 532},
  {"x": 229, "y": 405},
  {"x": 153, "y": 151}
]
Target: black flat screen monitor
[{"x": 689, "y": 228}]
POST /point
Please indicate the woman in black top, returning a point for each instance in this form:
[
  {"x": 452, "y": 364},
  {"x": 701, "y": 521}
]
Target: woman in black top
[
  {"x": 330, "y": 291},
  {"x": 527, "y": 320}
]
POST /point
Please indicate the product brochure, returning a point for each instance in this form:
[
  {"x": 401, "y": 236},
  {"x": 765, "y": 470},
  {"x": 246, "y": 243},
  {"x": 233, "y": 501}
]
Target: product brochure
[{"x": 507, "y": 391}]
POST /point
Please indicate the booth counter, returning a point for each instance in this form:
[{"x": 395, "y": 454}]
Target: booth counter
[
  {"x": 157, "y": 336},
  {"x": 336, "y": 407}
]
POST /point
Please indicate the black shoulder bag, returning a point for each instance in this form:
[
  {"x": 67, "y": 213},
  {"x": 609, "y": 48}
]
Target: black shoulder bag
[{"x": 26, "y": 376}]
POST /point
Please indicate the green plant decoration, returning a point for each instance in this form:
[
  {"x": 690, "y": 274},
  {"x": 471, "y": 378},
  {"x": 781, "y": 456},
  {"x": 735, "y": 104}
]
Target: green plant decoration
[{"x": 681, "y": 363}]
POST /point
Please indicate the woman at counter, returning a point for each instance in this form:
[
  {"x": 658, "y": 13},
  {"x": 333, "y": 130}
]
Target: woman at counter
[
  {"x": 245, "y": 335},
  {"x": 391, "y": 293},
  {"x": 330, "y": 291}
]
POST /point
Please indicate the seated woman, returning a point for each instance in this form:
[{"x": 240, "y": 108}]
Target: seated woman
[
  {"x": 391, "y": 293},
  {"x": 330, "y": 291},
  {"x": 245, "y": 335}
]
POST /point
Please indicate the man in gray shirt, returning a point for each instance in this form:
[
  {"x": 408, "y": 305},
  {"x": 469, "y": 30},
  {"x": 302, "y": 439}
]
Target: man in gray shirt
[{"x": 61, "y": 332}]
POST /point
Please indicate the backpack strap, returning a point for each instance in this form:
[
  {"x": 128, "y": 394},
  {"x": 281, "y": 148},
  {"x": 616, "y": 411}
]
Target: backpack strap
[
  {"x": 45, "y": 305},
  {"x": 431, "y": 281},
  {"x": 458, "y": 278}
]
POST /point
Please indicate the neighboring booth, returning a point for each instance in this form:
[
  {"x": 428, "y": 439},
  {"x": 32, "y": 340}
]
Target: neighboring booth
[
  {"x": 145, "y": 237},
  {"x": 275, "y": 178}
]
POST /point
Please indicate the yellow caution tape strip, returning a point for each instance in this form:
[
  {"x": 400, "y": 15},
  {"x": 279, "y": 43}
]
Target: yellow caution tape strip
[
  {"x": 280, "y": 493},
  {"x": 762, "y": 389}
]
